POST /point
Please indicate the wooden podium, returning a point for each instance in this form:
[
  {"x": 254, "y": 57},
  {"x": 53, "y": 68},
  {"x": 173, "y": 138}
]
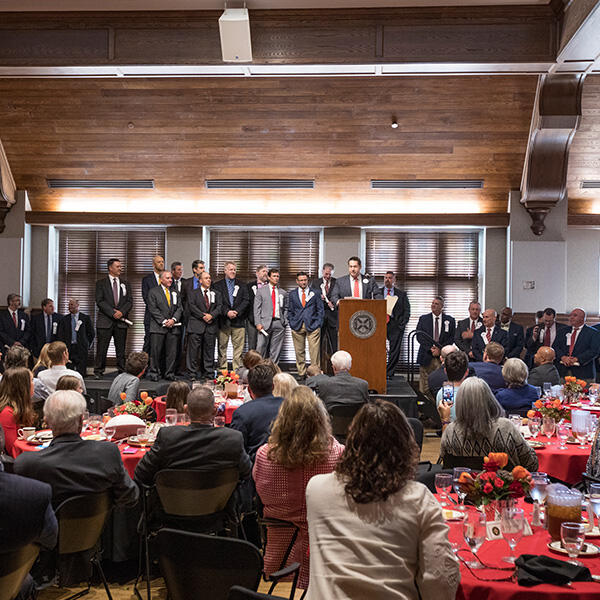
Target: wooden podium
[{"x": 362, "y": 333}]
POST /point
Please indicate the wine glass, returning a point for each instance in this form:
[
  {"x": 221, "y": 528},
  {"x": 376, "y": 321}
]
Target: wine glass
[
  {"x": 143, "y": 436},
  {"x": 548, "y": 427},
  {"x": 547, "y": 386},
  {"x": 461, "y": 495},
  {"x": 86, "y": 419},
  {"x": 474, "y": 532},
  {"x": 572, "y": 536},
  {"x": 109, "y": 431},
  {"x": 95, "y": 423},
  {"x": 512, "y": 522},
  {"x": 171, "y": 416},
  {"x": 534, "y": 426},
  {"x": 595, "y": 501},
  {"x": 443, "y": 484},
  {"x": 563, "y": 432},
  {"x": 517, "y": 421}
]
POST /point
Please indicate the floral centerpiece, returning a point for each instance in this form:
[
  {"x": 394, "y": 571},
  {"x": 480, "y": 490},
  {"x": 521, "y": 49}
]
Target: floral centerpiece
[
  {"x": 550, "y": 407},
  {"x": 573, "y": 388},
  {"x": 229, "y": 381},
  {"x": 140, "y": 408}
]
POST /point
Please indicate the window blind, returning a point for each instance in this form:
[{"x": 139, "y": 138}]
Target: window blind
[{"x": 82, "y": 261}]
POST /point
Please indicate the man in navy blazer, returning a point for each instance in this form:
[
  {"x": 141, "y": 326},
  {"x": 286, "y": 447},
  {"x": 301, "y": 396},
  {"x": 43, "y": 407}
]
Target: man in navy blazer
[
  {"x": 579, "y": 347},
  {"x": 490, "y": 332},
  {"x": 355, "y": 284},
  {"x": 44, "y": 327},
  {"x": 515, "y": 333},
  {"x": 14, "y": 323},
  {"x": 305, "y": 316},
  {"x": 148, "y": 282},
  {"x": 490, "y": 369},
  {"x": 396, "y": 320}
]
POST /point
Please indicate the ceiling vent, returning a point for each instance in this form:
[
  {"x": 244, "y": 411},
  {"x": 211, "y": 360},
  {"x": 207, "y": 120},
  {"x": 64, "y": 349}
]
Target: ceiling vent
[
  {"x": 87, "y": 184},
  {"x": 426, "y": 184},
  {"x": 260, "y": 184},
  {"x": 590, "y": 185}
]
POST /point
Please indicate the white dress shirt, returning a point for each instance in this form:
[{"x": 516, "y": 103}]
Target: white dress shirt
[
  {"x": 271, "y": 288},
  {"x": 50, "y": 376}
]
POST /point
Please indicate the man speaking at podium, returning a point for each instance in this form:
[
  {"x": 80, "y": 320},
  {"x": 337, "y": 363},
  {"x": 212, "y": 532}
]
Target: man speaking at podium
[{"x": 355, "y": 284}]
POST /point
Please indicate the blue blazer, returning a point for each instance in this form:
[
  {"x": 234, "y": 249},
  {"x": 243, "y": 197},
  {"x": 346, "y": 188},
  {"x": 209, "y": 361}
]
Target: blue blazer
[
  {"x": 491, "y": 373},
  {"x": 311, "y": 315},
  {"x": 425, "y": 324},
  {"x": 586, "y": 349},
  {"x": 478, "y": 345}
]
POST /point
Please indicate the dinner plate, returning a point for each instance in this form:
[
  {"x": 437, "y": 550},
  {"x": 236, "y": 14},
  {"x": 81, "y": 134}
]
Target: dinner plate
[
  {"x": 593, "y": 533},
  {"x": 96, "y": 437},
  {"x": 573, "y": 442},
  {"x": 587, "y": 550},
  {"x": 40, "y": 437},
  {"x": 452, "y": 515},
  {"x": 536, "y": 444}
]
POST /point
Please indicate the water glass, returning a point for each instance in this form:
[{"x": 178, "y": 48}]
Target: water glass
[
  {"x": 143, "y": 436},
  {"x": 443, "y": 484},
  {"x": 171, "y": 416},
  {"x": 595, "y": 501},
  {"x": 539, "y": 485},
  {"x": 474, "y": 532},
  {"x": 95, "y": 423},
  {"x": 517, "y": 421},
  {"x": 593, "y": 394},
  {"x": 512, "y": 523},
  {"x": 458, "y": 471},
  {"x": 538, "y": 391},
  {"x": 547, "y": 387},
  {"x": 572, "y": 536},
  {"x": 109, "y": 432},
  {"x": 563, "y": 432},
  {"x": 86, "y": 419},
  {"x": 548, "y": 427},
  {"x": 534, "y": 426}
]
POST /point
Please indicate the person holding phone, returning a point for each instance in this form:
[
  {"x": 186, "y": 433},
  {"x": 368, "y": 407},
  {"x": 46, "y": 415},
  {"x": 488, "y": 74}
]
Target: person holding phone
[{"x": 457, "y": 370}]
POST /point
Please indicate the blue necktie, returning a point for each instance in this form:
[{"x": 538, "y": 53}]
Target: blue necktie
[
  {"x": 73, "y": 332},
  {"x": 230, "y": 285},
  {"x": 48, "y": 329}
]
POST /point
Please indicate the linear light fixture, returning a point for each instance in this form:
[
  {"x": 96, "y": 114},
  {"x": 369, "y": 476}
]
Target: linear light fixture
[
  {"x": 103, "y": 184},
  {"x": 426, "y": 184},
  {"x": 260, "y": 184}
]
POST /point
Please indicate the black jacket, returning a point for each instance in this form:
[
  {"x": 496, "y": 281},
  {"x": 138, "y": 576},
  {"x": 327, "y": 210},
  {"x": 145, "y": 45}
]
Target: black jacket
[
  {"x": 106, "y": 303},
  {"x": 241, "y": 302},
  {"x": 85, "y": 333},
  {"x": 38, "y": 331},
  {"x": 9, "y": 334}
]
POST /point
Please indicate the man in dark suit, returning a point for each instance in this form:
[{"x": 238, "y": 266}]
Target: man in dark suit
[
  {"x": 355, "y": 284},
  {"x": 342, "y": 388},
  {"x": 232, "y": 323},
  {"x": 113, "y": 298},
  {"x": 192, "y": 283},
  {"x": 73, "y": 466},
  {"x": 547, "y": 333},
  {"x": 204, "y": 307},
  {"x": 14, "y": 324},
  {"x": 262, "y": 277},
  {"x": 44, "y": 327},
  {"x": 324, "y": 285},
  {"x": 396, "y": 321},
  {"x": 490, "y": 332},
  {"x": 198, "y": 446},
  {"x": 177, "y": 287},
  {"x": 436, "y": 329},
  {"x": 165, "y": 311},
  {"x": 149, "y": 282},
  {"x": 544, "y": 370},
  {"x": 254, "y": 419},
  {"x": 77, "y": 332},
  {"x": 514, "y": 332},
  {"x": 490, "y": 369},
  {"x": 467, "y": 328},
  {"x": 579, "y": 347},
  {"x": 305, "y": 315},
  {"x": 529, "y": 332}
]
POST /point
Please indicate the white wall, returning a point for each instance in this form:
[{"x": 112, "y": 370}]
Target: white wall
[
  {"x": 12, "y": 251},
  {"x": 340, "y": 244},
  {"x": 583, "y": 269},
  {"x": 185, "y": 245},
  {"x": 495, "y": 268}
]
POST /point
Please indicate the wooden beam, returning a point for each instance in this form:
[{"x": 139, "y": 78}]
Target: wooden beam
[{"x": 7, "y": 188}]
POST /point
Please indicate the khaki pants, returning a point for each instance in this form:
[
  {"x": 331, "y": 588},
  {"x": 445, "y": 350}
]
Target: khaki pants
[
  {"x": 238, "y": 336},
  {"x": 424, "y": 373},
  {"x": 314, "y": 348}
]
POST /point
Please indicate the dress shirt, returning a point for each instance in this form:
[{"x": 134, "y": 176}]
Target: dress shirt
[
  {"x": 473, "y": 324},
  {"x": 177, "y": 283},
  {"x": 49, "y": 377},
  {"x": 196, "y": 283},
  {"x": 484, "y": 334},
  {"x": 388, "y": 292},
  {"x": 360, "y": 286},
  {"x": 112, "y": 280},
  {"x": 157, "y": 277},
  {"x": 300, "y": 290},
  {"x": 505, "y": 326},
  {"x": 271, "y": 287}
]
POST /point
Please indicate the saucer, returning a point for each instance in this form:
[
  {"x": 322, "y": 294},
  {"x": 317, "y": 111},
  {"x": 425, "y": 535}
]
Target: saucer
[{"x": 587, "y": 550}]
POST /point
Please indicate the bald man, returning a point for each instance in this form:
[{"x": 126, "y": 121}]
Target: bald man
[
  {"x": 148, "y": 282},
  {"x": 490, "y": 332},
  {"x": 544, "y": 371},
  {"x": 578, "y": 348}
]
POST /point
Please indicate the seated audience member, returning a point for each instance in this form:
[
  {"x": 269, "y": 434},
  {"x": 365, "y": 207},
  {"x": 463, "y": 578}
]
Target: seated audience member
[
  {"x": 43, "y": 361},
  {"x": 436, "y": 378},
  {"x": 313, "y": 376},
  {"x": 480, "y": 428},
  {"x": 271, "y": 364},
  {"x": 375, "y": 532},
  {"x": 177, "y": 395},
  {"x": 129, "y": 380},
  {"x": 68, "y": 382},
  {"x": 342, "y": 388},
  {"x": 73, "y": 466},
  {"x": 544, "y": 370},
  {"x": 18, "y": 356},
  {"x": 198, "y": 445},
  {"x": 490, "y": 370},
  {"x": 254, "y": 418},
  {"x": 283, "y": 385},
  {"x": 518, "y": 394},
  {"x": 249, "y": 360},
  {"x": 457, "y": 370},
  {"x": 26, "y": 517},
  {"x": 300, "y": 446},
  {"x": 59, "y": 356},
  {"x": 16, "y": 408}
]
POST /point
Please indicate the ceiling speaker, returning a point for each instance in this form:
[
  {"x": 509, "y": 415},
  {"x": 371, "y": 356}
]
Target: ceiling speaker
[{"x": 234, "y": 28}]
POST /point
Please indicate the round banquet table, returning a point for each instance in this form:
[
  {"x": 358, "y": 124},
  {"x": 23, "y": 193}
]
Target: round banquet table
[
  {"x": 160, "y": 406},
  {"x": 492, "y": 552},
  {"x": 566, "y": 465}
]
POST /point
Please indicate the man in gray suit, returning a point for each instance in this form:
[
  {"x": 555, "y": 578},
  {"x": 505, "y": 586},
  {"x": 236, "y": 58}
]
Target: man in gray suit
[
  {"x": 355, "y": 285},
  {"x": 342, "y": 388},
  {"x": 467, "y": 328},
  {"x": 164, "y": 306},
  {"x": 270, "y": 316}
]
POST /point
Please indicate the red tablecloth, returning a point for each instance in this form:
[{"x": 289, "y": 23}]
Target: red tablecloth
[
  {"x": 492, "y": 552},
  {"x": 160, "y": 406},
  {"x": 566, "y": 465}
]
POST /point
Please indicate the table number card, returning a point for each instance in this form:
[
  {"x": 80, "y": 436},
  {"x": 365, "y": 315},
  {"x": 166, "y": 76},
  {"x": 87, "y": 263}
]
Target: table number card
[{"x": 493, "y": 531}]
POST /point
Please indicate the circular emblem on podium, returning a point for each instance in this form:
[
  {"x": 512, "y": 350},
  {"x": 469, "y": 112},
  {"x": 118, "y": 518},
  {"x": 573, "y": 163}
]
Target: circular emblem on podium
[{"x": 363, "y": 324}]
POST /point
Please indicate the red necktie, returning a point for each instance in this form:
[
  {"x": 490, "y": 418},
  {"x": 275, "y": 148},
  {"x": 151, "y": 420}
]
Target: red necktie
[
  {"x": 15, "y": 318},
  {"x": 327, "y": 287},
  {"x": 273, "y": 300},
  {"x": 356, "y": 292},
  {"x": 387, "y": 292},
  {"x": 547, "y": 337},
  {"x": 573, "y": 338},
  {"x": 436, "y": 330},
  {"x": 207, "y": 300},
  {"x": 488, "y": 335},
  {"x": 303, "y": 298},
  {"x": 472, "y": 326}
]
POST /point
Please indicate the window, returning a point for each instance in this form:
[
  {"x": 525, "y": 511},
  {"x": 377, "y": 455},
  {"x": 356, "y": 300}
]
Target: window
[
  {"x": 290, "y": 251},
  {"x": 427, "y": 264},
  {"x": 82, "y": 261}
]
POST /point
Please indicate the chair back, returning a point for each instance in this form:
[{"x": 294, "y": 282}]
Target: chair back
[
  {"x": 14, "y": 567},
  {"x": 238, "y": 592},
  {"x": 417, "y": 428},
  {"x": 195, "y": 565},
  {"x": 341, "y": 416},
  {"x": 474, "y": 463},
  {"x": 81, "y": 520},
  {"x": 189, "y": 493}
]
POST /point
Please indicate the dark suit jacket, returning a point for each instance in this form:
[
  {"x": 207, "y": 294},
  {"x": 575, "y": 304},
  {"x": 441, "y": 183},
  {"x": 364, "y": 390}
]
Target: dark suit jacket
[
  {"x": 241, "y": 302},
  {"x": 586, "y": 349},
  {"x": 254, "y": 420},
  {"x": 75, "y": 466},
  {"x": 311, "y": 316},
  {"x": 542, "y": 374},
  {"x": 401, "y": 311},
  {"x": 148, "y": 283},
  {"x": 159, "y": 310},
  {"x": 516, "y": 341},
  {"x": 425, "y": 324},
  {"x": 9, "y": 334},
  {"x": 343, "y": 289},
  {"x": 329, "y": 316},
  {"x": 198, "y": 447},
  {"x": 26, "y": 514},
  {"x": 187, "y": 288},
  {"x": 196, "y": 307},
  {"x": 490, "y": 372},
  {"x": 534, "y": 345},
  {"x": 38, "y": 331},
  {"x": 106, "y": 303},
  {"x": 85, "y": 334},
  {"x": 462, "y": 326},
  {"x": 478, "y": 345},
  {"x": 342, "y": 388},
  {"x": 436, "y": 380},
  {"x": 252, "y": 289}
]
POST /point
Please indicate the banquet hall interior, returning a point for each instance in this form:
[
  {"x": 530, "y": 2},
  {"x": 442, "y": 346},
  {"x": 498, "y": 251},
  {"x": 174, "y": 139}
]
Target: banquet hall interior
[{"x": 455, "y": 143}]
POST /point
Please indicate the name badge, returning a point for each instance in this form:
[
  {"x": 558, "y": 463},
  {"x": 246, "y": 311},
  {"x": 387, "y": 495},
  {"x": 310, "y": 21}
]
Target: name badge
[
  {"x": 54, "y": 328},
  {"x": 211, "y": 295},
  {"x": 78, "y": 325},
  {"x": 478, "y": 324},
  {"x": 235, "y": 290},
  {"x": 365, "y": 280},
  {"x": 446, "y": 326},
  {"x": 22, "y": 324},
  {"x": 280, "y": 300},
  {"x": 254, "y": 289},
  {"x": 124, "y": 289},
  {"x": 174, "y": 297},
  {"x": 310, "y": 295}
]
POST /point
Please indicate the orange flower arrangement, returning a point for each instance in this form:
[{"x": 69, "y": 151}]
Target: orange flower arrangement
[
  {"x": 139, "y": 408},
  {"x": 550, "y": 407},
  {"x": 574, "y": 386},
  {"x": 226, "y": 376}
]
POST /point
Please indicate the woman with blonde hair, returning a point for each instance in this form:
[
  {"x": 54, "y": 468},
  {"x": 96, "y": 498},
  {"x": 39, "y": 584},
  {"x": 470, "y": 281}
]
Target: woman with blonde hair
[
  {"x": 69, "y": 382},
  {"x": 283, "y": 385},
  {"x": 43, "y": 361},
  {"x": 16, "y": 408},
  {"x": 300, "y": 446}
]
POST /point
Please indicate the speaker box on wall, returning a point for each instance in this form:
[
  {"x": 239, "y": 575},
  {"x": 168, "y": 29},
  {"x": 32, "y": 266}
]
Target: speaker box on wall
[{"x": 234, "y": 28}]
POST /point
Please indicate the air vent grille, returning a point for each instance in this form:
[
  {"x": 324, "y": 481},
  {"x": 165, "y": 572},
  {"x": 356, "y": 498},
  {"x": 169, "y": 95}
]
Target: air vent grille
[
  {"x": 590, "y": 185},
  {"x": 259, "y": 184},
  {"x": 411, "y": 184},
  {"x": 117, "y": 184}
]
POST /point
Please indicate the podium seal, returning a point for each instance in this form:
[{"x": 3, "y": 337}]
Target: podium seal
[{"x": 363, "y": 324}]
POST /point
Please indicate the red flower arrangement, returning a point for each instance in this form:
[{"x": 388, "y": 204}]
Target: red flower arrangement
[
  {"x": 550, "y": 407},
  {"x": 138, "y": 408},
  {"x": 226, "y": 376}
]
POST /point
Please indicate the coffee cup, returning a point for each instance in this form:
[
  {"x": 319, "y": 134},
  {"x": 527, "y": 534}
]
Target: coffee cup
[{"x": 25, "y": 432}]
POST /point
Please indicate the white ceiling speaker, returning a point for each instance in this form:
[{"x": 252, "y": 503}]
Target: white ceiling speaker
[{"x": 234, "y": 28}]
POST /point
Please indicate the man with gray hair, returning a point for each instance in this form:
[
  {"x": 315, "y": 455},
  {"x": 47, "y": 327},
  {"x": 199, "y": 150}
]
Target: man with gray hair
[
  {"x": 342, "y": 388},
  {"x": 72, "y": 465}
]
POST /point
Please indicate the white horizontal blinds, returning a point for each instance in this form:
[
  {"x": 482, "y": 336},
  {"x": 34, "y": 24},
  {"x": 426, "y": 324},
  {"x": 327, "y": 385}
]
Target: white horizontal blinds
[
  {"x": 427, "y": 264},
  {"x": 82, "y": 261},
  {"x": 289, "y": 251}
]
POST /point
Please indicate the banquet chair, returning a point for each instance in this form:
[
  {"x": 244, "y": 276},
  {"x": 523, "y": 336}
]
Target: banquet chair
[
  {"x": 14, "y": 567},
  {"x": 195, "y": 565},
  {"x": 417, "y": 428},
  {"x": 474, "y": 463},
  {"x": 81, "y": 520},
  {"x": 341, "y": 416}
]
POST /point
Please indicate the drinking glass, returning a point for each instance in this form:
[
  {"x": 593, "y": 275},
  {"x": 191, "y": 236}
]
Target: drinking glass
[
  {"x": 94, "y": 423},
  {"x": 539, "y": 485},
  {"x": 86, "y": 419},
  {"x": 474, "y": 532},
  {"x": 171, "y": 416},
  {"x": 547, "y": 387},
  {"x": 563, "y": 432},
  {"x": 572, "y": 536},
  {"x": 105, "y": 417},
  {"x": 534, "y": 426},
  {"x": 517, "y": 421},
  {"x": 109, "y": 432},
  {"x": 593, "y": 394},
  {"x": 180, "y": 418},
  {"x": 143, "y": 436},
  {"x": 512, "y": 522},
  {"x": 458, "y": 471},
  {"x": 595, "y": 501},
  {"x": 443, "y": 484},
  {"x": 548, "y": 427}
]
